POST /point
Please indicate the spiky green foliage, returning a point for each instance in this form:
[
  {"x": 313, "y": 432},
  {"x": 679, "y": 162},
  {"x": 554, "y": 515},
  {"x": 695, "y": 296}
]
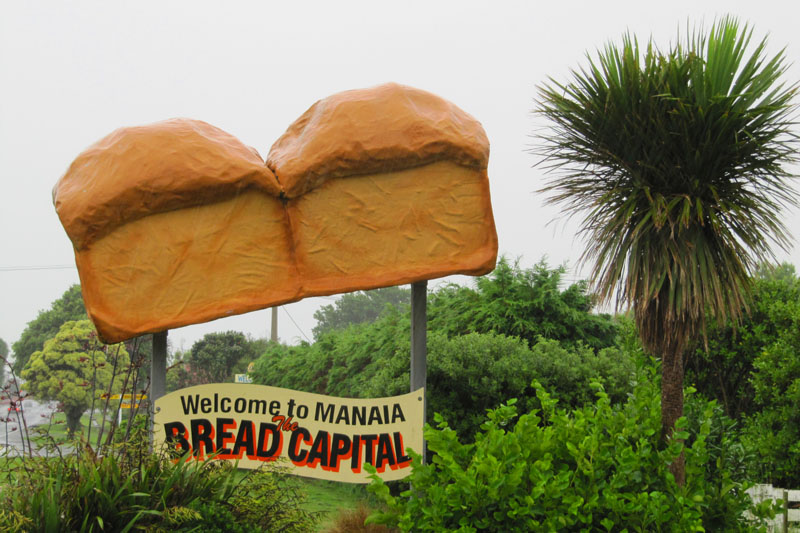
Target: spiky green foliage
[{"x": 677, "y": 159}]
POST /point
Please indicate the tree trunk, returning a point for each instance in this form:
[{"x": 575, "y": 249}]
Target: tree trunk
[
  {"x": 672, "y": 406},
  {"x": 73, "y": 420}
]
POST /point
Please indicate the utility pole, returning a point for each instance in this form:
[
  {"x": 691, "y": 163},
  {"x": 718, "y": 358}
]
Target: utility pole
[{"x": 274, "y": 332}]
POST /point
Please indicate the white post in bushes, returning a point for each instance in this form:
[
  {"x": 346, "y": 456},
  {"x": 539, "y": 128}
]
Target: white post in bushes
[{"x": 419, "y": 342}]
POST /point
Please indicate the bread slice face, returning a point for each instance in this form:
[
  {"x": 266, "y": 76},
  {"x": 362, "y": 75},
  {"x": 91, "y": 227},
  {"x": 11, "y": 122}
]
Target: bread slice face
[
  {"x": 178, "y": 222},
  {"x": 377, "y": 230},
  {"x": 190, "y": 265}
]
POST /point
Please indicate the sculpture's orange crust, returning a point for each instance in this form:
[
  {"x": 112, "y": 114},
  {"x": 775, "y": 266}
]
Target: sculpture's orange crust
[
  {"x": 139, "y": 171},
  {"x": 178, "y": 222},
  {"x": 368, "y": 131}
]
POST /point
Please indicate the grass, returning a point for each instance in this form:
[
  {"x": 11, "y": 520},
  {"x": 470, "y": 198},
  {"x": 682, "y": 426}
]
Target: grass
[
  {"x": 329, "y": 497},
  {"x": 56, "y": 428}
]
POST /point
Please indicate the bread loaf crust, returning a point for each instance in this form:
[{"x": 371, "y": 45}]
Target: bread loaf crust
[
  {"x": 367, "y": 131},
  {"x": 139, "y": 171}
]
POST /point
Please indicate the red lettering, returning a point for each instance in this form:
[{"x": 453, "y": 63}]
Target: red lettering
[{"x": 284, "y": 424}]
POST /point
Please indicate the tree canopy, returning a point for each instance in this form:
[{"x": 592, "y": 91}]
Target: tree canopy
[
  {"x": 73, "y": 368},
  {"x": 358, "y": 307},
  {"x": 725, "y": 371},
  {"x": 677, "y": 159},
  {"x": 47, "y": 323},
  {"x": 213, "y": 359},
  {"x": 523, "y": 302}
]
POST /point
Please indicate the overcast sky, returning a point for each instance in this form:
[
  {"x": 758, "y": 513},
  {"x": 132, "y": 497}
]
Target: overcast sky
[{"x": 72, "y": 72}]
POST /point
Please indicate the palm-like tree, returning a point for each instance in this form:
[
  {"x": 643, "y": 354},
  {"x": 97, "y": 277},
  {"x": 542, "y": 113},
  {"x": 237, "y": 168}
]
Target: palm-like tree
[{"x": 677, "y": 160}]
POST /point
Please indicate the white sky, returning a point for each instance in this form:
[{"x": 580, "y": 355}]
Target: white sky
[{"x": 72, "y": 72}]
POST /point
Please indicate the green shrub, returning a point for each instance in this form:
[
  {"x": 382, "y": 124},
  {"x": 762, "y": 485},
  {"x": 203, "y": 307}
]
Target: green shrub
[
  {"x": 774, "y": 431},
  {"x": 523, "y": 302},
  {"x": 272, "y": 501},
  {"x": 137, "y": 489},
  {"x": 467, "y": 374},
  {"x": 597, "y": 468}
]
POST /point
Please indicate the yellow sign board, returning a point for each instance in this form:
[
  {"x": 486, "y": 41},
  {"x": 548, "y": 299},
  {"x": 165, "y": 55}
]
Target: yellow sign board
[
  {"x": 123, "y": 396},
  {"x": 318, "y": 436}
]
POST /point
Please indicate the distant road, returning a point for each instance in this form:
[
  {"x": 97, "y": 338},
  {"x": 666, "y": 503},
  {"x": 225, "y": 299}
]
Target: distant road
[{"x": 11, "y": 433}]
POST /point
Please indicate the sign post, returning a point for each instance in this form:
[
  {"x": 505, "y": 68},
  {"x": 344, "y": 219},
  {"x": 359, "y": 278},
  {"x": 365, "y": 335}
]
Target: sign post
[
  {"x": 158, "y": 373},
  {"x": 419, "y": 343}
]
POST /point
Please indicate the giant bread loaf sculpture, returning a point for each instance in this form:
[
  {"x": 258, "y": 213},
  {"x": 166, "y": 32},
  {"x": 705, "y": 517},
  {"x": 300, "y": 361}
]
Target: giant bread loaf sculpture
[{"x": 178, "y": 222}]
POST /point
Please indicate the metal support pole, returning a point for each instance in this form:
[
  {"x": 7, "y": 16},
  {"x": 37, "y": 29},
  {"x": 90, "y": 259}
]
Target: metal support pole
[
  {"x": 158, "y": 374},
  {"x": 419, "y": 342},
  {"x": 158, "y": 366}
]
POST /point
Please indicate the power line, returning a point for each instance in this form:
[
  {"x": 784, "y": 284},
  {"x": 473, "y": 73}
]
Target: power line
[
  {"x": 295, "y": 323},
  {"x": 35, "y": 267}
]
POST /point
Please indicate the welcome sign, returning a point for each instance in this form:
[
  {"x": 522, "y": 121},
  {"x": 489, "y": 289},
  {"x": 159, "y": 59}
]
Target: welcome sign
[{"x": 319, "y": 436}]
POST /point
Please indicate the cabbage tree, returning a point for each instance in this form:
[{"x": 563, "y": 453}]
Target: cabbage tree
[{"x": 677, "y": 161}]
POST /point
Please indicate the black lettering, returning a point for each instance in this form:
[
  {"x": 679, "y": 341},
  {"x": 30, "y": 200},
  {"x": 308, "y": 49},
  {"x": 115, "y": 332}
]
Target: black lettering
[
  {"x": 190, "y": 404},
  {"x": 274, "y": 407},
  {"x": 320, "y": 450},
  {"x": 374, "y": 415},
  {"x": 355, "y": 457},
  {"x": 341, "y": 448},
  {"x": 369, "y": 448},
  {"x": 399, "y": 451},
  {"x": 260, "y": 407},
  {"x": 385, "y": 453},
  {"x": 202, "y": 438},
  {"x": 343, "y": 415},
  {"x": 296, "y": 455},
  {"x": 275, "y": 441},
  {"x": 325, "y": 414},
  {"x": 245, "y": 439},
  {"x": 205, "y": 405},
  {"x": 360, "y": 415},
  {"x": 224, "y": 435},
  {"x": 222, "y": 405},
  {"x": 176, "y": 431},
  {"x": 237, "y": 407},
  {"x": 397, "y": 414}
]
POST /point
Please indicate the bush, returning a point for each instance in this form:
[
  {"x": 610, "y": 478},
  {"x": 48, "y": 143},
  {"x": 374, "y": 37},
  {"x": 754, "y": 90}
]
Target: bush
[
  {"x": 774, "y": 431},
  {"x": 467, "y": 374},
  {"x": 597, "y": 468},
  {"x": 525, "y": 303},
  {"x": 84, "y": 492}
]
